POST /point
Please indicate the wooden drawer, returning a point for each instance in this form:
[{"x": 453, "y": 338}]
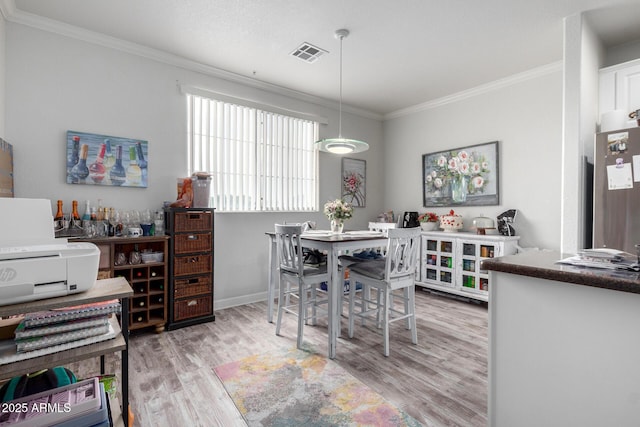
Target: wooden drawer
[
  {"x": 192, "y": 264},
  {"x": 193, "y": 286},
  {"x": 192, "y": 242},
  {"x": 193, "y": 307},
  {"x": 193, "y": 221}
]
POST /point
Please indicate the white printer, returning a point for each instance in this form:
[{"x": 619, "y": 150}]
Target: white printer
[{"x": 33, "y": 263}]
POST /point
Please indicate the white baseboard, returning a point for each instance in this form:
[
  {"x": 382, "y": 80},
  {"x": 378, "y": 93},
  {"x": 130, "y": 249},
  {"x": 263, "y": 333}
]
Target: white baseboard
[{"x": 234, "y": 302}]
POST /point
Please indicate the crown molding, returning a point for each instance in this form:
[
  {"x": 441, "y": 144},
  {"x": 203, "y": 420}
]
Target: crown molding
[
  {"x": 7, "y": 8},
  {"x": 478, "y": 90},
  {"x": 11, "y": 14}
]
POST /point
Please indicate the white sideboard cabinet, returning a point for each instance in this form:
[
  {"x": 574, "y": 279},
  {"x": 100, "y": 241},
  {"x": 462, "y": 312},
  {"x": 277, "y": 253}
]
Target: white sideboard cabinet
[{"x": 450, "y": 262}]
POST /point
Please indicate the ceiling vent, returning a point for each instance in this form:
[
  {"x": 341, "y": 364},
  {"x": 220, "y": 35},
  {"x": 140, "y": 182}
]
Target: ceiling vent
[{"x": 308, "y": 52}]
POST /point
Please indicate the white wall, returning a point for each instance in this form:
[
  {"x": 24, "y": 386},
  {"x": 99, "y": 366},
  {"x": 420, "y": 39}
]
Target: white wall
[
  {"x": 524, "y": 116},
  {"x": 2, "y": 75},
  {"x": 55, "y": 83},
  {"x": 622, "y": 53}
]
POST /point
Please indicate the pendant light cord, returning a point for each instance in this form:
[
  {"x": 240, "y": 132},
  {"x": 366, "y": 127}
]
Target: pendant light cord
[{"x": 340, "y": 105}]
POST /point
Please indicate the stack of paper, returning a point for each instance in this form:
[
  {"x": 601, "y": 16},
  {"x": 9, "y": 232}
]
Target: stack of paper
[{"x": 604, "y": 258}]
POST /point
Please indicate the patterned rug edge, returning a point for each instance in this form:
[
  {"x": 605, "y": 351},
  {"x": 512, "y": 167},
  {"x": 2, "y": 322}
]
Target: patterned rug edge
[{"x": 292, "y": 387}]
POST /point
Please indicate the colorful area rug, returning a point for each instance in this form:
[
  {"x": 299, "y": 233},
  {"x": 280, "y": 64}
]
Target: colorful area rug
[{"x": 299, "y": 388}]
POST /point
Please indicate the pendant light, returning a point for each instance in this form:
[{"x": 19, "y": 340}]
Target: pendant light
[{"x": 341, "y": 145}]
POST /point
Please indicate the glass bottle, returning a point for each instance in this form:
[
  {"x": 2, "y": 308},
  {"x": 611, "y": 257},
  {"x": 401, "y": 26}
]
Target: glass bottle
[
  {"x": 87, "y": 212},
  {"x": 134, "y": 173},
  {"x": 97, "y": 169},
  {"x": 59, "y": 214},
  {"x": 111, "y": 222},
  {"x": 141, "y": 161},
  {"x": 159, "y": 223},
  {"x": 73, "y": 158},
  {"x": 119, "y": 227},
  {"x": 75, "y": 216},
  {"x": 117, "y": 173},
  {"x": 109, "y": 158},
  {"x": 80, "y": 171}
]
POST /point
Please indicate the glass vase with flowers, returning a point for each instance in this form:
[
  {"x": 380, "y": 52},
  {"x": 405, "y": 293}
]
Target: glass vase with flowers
[{"x": 338, "y": 211}]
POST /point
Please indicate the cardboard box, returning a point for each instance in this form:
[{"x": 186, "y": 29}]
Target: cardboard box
[
  {"x": 6, "y": 169},
  {"x": 8, "y": 327}
]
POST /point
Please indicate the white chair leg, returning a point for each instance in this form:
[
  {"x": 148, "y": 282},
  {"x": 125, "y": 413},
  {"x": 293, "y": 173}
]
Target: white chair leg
[
  {"x": 352, "y": 307},
  {"x": 313, "y": 305},
  {"x": 302, "y": 312},
  {"x": 412, "y": 308},
  {"x": 280, "y": 305},
  {"x": 387, "y": 302},
  {"x": 407, "y": 310},
  {"x": 385, "y": 321}
]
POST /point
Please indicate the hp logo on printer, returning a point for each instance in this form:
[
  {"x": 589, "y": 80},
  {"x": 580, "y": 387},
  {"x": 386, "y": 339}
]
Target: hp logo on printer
[{"x": 7, "y": 274}]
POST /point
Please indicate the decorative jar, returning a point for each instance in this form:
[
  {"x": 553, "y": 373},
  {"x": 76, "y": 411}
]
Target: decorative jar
[{"x": 451, "y": 222}]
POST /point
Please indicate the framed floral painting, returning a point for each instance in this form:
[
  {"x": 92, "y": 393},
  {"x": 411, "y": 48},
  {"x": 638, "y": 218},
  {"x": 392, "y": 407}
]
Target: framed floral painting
[
  {"x": 466, "y": 176},
  {"x": 354, "y": 174}
]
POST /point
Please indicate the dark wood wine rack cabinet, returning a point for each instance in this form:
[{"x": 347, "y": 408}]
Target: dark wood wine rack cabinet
[
  {"x": 148, "y": 277},
  {"x": 191, "y": 286}
]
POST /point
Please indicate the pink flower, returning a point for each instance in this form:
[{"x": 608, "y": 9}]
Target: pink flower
[
  {"x": 477, "y": 181},
  {"x": 464, "y": 168}
]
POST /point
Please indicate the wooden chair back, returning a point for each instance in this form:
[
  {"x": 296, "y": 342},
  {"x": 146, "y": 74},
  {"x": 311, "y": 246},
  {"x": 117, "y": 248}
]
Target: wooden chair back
[
  {"x": 289, "y": 249},
  {"x": 402, "y": 253}
]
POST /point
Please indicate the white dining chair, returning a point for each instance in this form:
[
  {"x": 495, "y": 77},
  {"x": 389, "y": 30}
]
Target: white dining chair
[
  {"x": 396, "y": 272},
  {"x": 298, "y": 291}
]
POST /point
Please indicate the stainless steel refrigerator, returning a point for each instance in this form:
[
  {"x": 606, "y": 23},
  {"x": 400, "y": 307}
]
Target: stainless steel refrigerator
[{"x": 616, "y": 190}]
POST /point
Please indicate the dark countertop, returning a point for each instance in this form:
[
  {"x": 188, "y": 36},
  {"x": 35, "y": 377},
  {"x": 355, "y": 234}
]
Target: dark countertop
[{"x": 542, "y": 265}]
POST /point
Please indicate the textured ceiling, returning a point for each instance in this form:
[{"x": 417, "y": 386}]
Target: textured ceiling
[{"x": 400, "y": 53}]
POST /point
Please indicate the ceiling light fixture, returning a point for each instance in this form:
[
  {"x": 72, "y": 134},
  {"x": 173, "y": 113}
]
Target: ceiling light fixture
[{"x": 341, "y": 145}]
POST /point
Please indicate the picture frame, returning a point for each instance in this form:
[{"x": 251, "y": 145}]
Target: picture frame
[
  {"x": 354, "y": 182},
  {"x": 465, "y": 176},
  {"x": 106, "y": 160}
]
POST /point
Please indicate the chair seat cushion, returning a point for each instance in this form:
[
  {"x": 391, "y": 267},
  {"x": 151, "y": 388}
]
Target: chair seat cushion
[
  {"x": 347, "y": 260},
  {"x": 373, "y": 268},
  {"x": 310, "y": 270},
  {"x": 367, "y": 255}
]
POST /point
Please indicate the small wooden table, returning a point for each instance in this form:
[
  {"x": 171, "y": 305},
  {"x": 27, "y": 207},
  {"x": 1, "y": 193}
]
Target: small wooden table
[
  {"x": 333, "y": 245},
  {"x": 103, "y": 290}
]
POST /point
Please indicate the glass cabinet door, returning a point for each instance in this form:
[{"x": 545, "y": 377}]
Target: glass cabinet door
[
  {"x": 438, "y": 261},
  {"x": 472, "y": 277}
]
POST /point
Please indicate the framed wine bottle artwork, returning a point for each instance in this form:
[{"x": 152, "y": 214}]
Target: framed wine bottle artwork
[{"x": 106, "y": 160}]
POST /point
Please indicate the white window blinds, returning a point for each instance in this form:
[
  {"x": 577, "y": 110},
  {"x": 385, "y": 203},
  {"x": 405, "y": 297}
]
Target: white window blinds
[{"x": 259, "y": 160}]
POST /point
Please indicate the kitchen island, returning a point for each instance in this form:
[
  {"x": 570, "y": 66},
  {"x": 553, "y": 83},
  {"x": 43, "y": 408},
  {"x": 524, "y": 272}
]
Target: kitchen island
[{"x": 564, "y": 343}]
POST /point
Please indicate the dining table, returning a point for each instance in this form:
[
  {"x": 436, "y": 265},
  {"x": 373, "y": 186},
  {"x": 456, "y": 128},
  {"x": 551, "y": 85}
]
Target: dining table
[{"x": 333, "y": 244}]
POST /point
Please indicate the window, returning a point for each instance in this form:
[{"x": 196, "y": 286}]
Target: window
[{"x": 259, "y": 160}]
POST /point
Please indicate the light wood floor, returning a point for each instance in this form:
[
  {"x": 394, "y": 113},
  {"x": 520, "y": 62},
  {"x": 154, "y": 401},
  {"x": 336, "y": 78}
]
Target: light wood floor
[{"x": 441, "y": 382}]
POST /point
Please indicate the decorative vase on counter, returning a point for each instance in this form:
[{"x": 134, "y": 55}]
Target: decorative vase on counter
[
  {"x": 428, "y": 225},
  {"x": 337, "y": 226}
]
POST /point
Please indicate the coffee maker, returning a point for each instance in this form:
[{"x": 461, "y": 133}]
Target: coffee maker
[
  {"x": 410, "y": 220},
  {"x": 505, "y": 219}
]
